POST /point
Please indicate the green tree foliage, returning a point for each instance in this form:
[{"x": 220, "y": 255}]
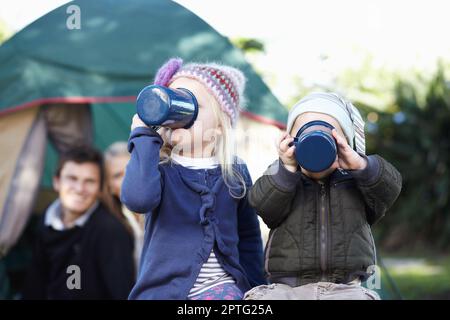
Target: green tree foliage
[
  {"x": 249, "y": 45},
  {"x": 416, "y": 139}
]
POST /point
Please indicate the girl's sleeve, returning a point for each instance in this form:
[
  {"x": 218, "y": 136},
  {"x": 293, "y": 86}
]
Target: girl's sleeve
[
  {"x": 142, "y": 184},
  {"x": 250, "y": 241}
]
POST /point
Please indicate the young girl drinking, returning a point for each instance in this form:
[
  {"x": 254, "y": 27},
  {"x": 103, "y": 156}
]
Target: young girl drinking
[{"x": 202, "y": 239}]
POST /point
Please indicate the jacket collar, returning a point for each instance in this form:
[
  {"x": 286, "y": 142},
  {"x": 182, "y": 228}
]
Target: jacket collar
[
  {"x": 336, "y": 176},
  {"x": 53, "y": 216}
]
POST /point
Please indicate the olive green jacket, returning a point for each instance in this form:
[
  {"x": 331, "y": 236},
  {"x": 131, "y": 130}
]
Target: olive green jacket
[{"x": 321, "y": 230}]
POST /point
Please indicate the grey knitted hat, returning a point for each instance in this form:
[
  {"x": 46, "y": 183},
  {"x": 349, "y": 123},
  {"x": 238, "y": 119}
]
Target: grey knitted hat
[{"x": 337, "y": 107}]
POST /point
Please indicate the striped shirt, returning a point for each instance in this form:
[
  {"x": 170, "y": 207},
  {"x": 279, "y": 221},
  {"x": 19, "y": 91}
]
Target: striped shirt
[{"x": 212, "y": 273}]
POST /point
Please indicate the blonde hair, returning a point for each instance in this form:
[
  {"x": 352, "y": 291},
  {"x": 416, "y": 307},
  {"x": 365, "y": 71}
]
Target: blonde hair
[
  {"x": 224, "y": 150},
  {"x": 226, "y": 153}
]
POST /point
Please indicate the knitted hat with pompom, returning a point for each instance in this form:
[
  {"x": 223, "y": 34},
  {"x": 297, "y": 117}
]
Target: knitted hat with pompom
[{"x": 225, "y": 83}]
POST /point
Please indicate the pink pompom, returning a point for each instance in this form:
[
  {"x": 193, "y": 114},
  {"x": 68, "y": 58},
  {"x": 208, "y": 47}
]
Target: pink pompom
[{"x": 166, "y": 72}]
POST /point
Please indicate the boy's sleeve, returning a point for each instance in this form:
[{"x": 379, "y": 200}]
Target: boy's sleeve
[
  {"x": 250, "y": 242},
  {"x": 380, "y": 184},
  {"x": 272, "y": 194},
  {"x": 142, "y": 184}
]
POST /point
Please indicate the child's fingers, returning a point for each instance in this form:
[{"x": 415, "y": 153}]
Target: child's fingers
[
  {"x": 135, "y": 121},
  {"x": 290, "y": 152},
  {"x": 341, "y": 141},
  {"x": 282, "y": 136},
  {"x": 284, "y": 145}
]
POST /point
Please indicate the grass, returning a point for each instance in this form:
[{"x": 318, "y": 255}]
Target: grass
[{"x": 417, "y": 278}]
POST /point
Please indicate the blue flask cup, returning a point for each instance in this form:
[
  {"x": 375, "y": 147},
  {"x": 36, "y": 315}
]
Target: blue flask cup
[
  {"x": 315, "y": 147},
  {"x": 167, "y": 107}
]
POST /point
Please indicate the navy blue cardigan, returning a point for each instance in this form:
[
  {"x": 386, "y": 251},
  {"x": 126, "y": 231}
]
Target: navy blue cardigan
[{"x": 188, "y": 213}]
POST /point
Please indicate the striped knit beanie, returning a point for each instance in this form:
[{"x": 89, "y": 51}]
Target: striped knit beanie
[
  {"x": 225, "y": 83},
  {"x": 337, "y": 107}
]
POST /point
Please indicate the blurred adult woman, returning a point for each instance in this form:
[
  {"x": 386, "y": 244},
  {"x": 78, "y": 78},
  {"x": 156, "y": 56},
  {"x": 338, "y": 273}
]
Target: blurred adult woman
[{"x": 116, "y": 159}]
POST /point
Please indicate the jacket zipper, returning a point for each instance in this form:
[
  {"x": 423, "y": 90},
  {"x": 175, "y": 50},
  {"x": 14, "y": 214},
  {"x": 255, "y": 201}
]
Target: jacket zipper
[{"x": 323, "y": 232}]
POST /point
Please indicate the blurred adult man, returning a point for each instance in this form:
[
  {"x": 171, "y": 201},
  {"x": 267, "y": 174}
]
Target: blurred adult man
[{"x": 81, "y": 251}]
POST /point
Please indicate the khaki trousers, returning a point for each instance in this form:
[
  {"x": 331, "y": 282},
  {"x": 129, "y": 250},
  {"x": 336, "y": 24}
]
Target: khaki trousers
[{"x": 312, "y": 291}]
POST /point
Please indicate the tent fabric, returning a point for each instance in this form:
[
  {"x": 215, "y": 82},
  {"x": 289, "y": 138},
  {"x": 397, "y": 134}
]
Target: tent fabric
[
  {"x": 23, "y": 185},
  {"x": 114, "y": 54},
  {"x": 106, "y": 62},
  {"x": 86, "y": 81},
  {"x": 14, "y": 129},
  {"x": 66, "y": 126}
]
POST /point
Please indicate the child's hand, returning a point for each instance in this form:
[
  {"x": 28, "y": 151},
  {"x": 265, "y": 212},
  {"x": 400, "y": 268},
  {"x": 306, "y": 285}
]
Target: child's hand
[
  {"x": 286, "y": 153},
  {"x": 348, "y": 158},
  {"x": 137, "y": 122}
]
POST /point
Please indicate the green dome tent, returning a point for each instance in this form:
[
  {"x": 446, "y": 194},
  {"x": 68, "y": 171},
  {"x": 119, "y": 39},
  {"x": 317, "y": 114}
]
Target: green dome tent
[{"x": 64, "y": 85}]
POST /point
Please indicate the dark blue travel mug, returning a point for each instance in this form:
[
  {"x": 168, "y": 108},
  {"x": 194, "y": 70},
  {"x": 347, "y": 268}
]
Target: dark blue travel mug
[
  {"x": 315, "y": 147},
  {"x": 167, "y": 107}
]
